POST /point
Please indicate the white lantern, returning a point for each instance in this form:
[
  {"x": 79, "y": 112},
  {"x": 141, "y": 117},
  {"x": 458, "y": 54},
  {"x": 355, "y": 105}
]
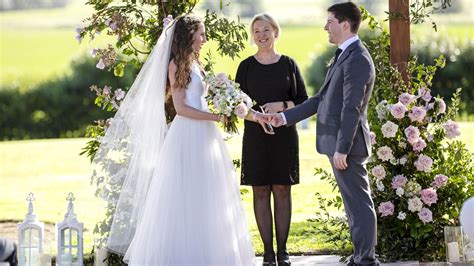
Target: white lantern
[
  {"x": 69, "y": 237},
  {"x": 30, "y": 236}
]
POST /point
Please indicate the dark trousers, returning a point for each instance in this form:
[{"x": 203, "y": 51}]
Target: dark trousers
[{"x": 353, "y": 183}]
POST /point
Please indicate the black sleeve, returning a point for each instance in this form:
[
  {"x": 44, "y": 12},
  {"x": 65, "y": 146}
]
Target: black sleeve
[
  {"x": 241, "y": 76},
  {"x": 301, "y": 94}
]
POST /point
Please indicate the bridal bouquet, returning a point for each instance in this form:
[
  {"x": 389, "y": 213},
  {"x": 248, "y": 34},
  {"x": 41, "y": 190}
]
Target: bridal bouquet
[{"x": 226, "y": 98}]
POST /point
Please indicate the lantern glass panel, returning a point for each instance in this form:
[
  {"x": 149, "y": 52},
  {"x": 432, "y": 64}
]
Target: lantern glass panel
[
  {"x": 65, "y": 256},
  {"x": 34, "y": 255},
  {"x": 74, "y": 237},
  {"x": 74, "y": 254},
  {"x": 65, "y": 237},
  {"x": 25, "y": 237},
  {"x": 23, "y": 255},
  {"x": 34, "y": 237}
]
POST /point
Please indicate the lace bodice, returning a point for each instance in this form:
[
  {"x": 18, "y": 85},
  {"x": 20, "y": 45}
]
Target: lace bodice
[{"x": 196, "y": 90}]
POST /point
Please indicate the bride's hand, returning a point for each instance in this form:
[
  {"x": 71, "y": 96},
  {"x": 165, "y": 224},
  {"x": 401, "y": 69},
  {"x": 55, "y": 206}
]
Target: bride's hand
[
  {"x": 263, "y": 121},
  {"x": 266, "y": 129},
  {"x": 222, "y": 119}
]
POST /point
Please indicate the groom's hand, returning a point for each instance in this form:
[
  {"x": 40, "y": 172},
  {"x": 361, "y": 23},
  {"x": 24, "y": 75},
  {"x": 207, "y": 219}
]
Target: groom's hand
[
  {"x": 340, "y": 161},
  {"x": 276, "y": 119}
]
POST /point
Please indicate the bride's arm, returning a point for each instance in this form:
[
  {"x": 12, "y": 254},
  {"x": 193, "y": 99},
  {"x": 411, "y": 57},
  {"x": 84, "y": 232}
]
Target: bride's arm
[{"x": 179, "y": 99}]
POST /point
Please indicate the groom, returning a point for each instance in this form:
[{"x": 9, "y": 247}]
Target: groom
[{"x": 342, "y": 131}]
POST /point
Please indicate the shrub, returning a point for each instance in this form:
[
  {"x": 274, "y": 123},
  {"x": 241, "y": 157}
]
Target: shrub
[{"x": 58, "y": 108}]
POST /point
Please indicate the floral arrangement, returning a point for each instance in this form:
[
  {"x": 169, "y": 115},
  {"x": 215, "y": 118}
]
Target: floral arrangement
[
  {"x": 410, "y": 126},
  {"x": 416, "y": 191},
  {"x": 226, "y": 99}
]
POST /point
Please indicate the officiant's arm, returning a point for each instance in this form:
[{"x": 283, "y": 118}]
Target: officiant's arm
[{"x": 179, "y": 100}]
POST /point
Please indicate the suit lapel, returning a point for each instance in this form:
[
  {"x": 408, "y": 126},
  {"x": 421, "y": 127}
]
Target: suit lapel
[{"x": 339, "y": 61}]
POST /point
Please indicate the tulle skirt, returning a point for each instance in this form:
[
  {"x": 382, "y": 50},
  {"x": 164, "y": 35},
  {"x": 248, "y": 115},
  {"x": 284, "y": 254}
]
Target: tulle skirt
[{"x": 193, "y": 214}]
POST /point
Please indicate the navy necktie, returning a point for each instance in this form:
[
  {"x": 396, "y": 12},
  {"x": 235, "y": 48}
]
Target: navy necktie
[{"x": 336, "y": 54}]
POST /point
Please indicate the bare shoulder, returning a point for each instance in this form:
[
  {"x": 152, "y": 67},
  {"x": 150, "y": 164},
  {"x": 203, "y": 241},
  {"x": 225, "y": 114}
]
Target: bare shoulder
[{"x": 172, "y": 67}]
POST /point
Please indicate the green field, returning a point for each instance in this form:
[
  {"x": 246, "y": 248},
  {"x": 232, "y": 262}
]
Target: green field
[{"x": 37, "y": 45}]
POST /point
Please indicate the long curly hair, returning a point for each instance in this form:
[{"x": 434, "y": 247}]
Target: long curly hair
[
  {"x": 183, "y": 54},
  {"x": 182, "y": 48}
]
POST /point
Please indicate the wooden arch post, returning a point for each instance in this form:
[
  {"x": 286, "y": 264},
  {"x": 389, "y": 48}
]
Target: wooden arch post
[{"x": 400, "y": 35}]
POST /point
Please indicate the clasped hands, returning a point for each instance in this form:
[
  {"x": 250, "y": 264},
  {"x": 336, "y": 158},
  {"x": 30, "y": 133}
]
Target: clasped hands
[{"x": 276, "y": 120}]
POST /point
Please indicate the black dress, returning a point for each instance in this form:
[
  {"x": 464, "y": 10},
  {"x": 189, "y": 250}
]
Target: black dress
[{"x": 270, "y": 159}]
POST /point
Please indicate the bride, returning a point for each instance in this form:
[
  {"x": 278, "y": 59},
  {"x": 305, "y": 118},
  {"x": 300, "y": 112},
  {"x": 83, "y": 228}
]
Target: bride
[{"x": 179, "y": 202}]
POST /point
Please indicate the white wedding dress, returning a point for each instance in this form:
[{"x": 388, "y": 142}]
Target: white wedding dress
[{"x": 193, "y": 213}]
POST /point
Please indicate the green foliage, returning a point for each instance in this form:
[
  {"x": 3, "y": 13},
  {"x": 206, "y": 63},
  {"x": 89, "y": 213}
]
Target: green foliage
[
  {"x": 420, "y": 11},
  {"x": 57, "y": 108},
  {"x": 458, "y": 70},
  {"x": 334, "y": 228}
]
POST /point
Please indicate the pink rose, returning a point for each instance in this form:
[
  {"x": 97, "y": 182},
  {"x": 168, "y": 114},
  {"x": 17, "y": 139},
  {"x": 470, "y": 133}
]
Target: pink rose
[
  {"x": 378, "y": 171},
  {"x": 389, "y": 129},
  {"x": 406, "y": 98},
  {"x": 414, "y": 204},
  {"x": 384, "y": 153},
  {"x": 419, "y": 145},
  {"x": 221, "y": 76},
  {"x": 425, "y": 94},
  {"x": 399, "y": 181},
  {"x": 423, "y": 163},
  {"x": 452, "y": 129},
  {"x": 412, "y": 133},
  {"x": 386, "y": 208},
  {"x": 372, "y": 138},
  {"x": 425, "y": 215},
  {"x": 439, "y": 181},
  {"x": 429, "y": 196},
  {"x": 241, "y": 110},
  {"x": 417, "y": 114},
  {"x": 398, "y": 110}
]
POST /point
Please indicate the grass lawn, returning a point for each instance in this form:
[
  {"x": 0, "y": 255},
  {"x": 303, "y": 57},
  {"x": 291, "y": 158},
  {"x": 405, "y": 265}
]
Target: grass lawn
[{"x": 52, "y": 168}]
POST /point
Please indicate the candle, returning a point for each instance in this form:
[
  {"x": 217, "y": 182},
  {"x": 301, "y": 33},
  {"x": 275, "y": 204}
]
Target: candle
[
  {"x": 453, "y": 252},
  {"x": 100, "y": 256}
]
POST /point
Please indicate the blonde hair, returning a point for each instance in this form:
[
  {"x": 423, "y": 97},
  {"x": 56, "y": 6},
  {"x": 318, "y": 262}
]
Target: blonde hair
[{"x": 264, "y": 17}]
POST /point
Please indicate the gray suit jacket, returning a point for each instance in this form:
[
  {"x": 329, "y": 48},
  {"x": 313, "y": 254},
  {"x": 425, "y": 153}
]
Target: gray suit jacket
[{"x": 341, "y": 104}]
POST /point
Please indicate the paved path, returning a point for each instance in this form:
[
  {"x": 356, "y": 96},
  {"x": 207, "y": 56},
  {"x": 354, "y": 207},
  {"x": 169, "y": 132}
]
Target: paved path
[{"x": 330, "y": 260}]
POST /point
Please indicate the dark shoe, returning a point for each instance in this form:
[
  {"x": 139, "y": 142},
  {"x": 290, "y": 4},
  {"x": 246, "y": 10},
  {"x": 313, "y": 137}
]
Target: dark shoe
[
  {"x": 283, "y": 258},
  {"x": 351, "y": 262},
  {"x": 269, "y": 259}
]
